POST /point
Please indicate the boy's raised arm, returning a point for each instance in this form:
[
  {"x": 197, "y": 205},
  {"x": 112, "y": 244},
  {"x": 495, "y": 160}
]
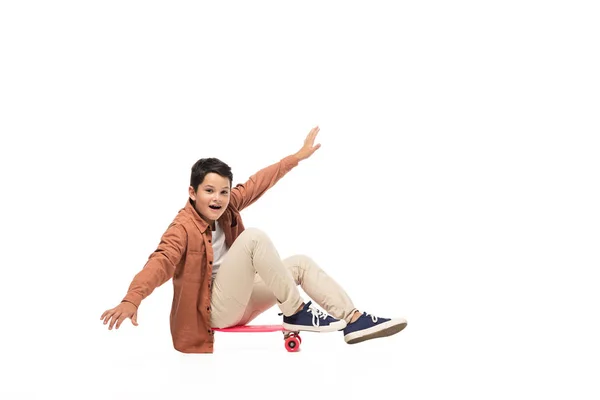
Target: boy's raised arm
[{"x": 244, "y": 194}]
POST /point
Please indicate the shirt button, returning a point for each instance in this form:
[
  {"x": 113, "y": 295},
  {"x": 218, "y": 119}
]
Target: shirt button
[
  {"x": 209, "y": 241},
  {"x": 210, "y": 262}
]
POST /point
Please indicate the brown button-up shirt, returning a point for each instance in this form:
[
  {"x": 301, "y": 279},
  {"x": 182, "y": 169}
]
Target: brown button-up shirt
[{"x": 185, "y": 254}]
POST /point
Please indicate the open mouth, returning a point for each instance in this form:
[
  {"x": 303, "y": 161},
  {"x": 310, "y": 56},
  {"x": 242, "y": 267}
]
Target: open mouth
[{"x": 214, "y": 207}]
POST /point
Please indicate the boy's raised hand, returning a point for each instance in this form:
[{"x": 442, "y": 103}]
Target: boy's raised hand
[
  {"x": 309, "y": 145},
  {"x": 119, "y": 314}
]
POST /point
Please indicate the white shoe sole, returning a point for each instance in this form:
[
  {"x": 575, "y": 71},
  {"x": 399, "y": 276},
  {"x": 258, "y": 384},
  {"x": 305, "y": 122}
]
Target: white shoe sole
[
  {"x": 388, "y": 328},
  {"x": 336, "y": 326}
]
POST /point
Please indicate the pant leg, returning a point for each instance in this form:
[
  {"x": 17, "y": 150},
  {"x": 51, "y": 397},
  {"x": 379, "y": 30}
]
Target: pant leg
[
  {"x": 252, "y": 253},
  {"x": 319, "y": 286},
  {"x": 261, "y": 300}
]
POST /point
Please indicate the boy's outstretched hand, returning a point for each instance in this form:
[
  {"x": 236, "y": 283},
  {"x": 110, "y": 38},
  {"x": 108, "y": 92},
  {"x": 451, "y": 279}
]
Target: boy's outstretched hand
[
  {"x": 309, "y": 145},
  {"x": 119, "y": 314}
]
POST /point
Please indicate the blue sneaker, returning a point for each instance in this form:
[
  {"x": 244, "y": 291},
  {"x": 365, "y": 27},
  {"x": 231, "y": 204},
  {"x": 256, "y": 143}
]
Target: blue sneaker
[
  {"x": 368, "y": 326},
  {"x": 312, "y": 320}
]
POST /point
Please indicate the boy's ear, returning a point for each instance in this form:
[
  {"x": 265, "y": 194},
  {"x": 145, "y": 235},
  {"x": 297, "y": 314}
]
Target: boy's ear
[{"x": 192, "y": 193}]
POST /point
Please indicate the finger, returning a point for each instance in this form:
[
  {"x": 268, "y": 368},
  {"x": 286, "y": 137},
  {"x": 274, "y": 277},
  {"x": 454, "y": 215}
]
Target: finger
[
  {"x": 120, "y": 320},
  {"x": 314, "y": 135},
  {"x": 108, "y": 316},
  {"x": 315, "y": 131},
  {"x": 315, "y": 148},
  {"x": 310, "y": 140},
  {"x": 114, "y": 319},
  {"x": 105, "y": 313},
  {"x": 134, "y": 319}
]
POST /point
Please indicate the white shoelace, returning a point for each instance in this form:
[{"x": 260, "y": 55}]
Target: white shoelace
[
  {"x": 316, "y": 315},
  {"x": 373, "y": 318}
]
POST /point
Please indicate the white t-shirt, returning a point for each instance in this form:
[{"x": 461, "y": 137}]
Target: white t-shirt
[{"x": 219, "y": 248}]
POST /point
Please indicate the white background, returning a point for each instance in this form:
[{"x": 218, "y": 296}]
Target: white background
[{"x": 457, "y": 186}]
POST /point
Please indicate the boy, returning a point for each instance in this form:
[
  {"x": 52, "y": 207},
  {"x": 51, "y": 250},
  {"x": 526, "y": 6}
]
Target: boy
[{"x": 225, "y": 275}]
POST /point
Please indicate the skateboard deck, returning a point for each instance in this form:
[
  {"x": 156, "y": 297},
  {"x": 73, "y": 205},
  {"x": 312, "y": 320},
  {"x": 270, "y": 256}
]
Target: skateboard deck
[{"x": 291, "y": 339}]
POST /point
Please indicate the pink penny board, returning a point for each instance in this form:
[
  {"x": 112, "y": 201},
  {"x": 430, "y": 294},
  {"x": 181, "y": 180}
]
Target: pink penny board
[
  {"x": 251, "y": 328},
  {"x": 292, "y": 340}
]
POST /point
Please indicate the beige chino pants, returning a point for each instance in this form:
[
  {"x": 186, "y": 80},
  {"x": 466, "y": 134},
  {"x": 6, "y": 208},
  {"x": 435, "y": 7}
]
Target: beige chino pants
[{"x": 253, "y": 278}]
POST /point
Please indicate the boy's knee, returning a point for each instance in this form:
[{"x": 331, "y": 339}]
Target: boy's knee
[
  {"x": 299, "y": 260},
  {"x": 255, "y": 234}
]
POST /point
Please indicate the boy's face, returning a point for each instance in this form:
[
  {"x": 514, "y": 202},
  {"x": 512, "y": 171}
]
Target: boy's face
[{"x": 212, "y": 197}]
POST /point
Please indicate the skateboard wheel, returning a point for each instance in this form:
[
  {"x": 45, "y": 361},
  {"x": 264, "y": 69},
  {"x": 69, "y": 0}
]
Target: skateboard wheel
[
  {"x": 292, "y": 344},
  {"x": 293, "y": 334}
]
